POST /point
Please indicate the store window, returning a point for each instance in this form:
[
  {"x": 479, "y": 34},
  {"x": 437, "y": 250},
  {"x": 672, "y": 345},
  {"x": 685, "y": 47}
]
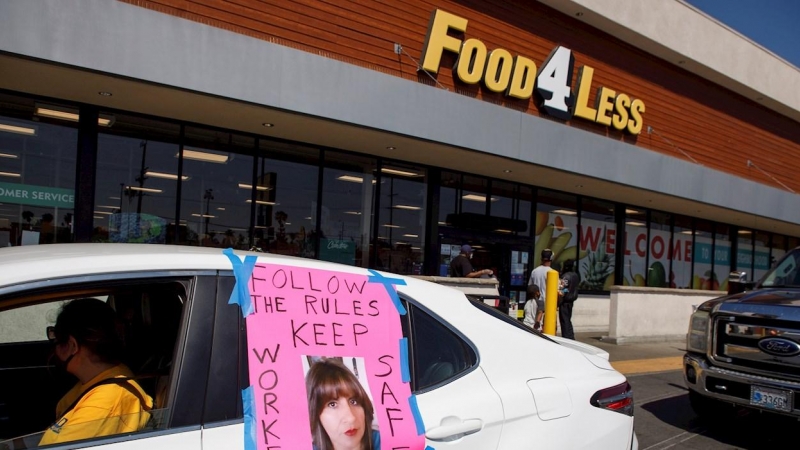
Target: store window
[
  {"x": 635, "y": 260},
  {"x": 777, "y": 249},
  {"x": 761, "y": 255},
  {"x": 744, "y": 252},
  {"x": 722, "y": 258},
  {"x": 136, "y": 181},
  {"x": 703, "y": 248},
  {"x": 556, "y": 227},
  {"x": 681, "y": 254},
  {"x": 286, "y": 199},
  {"x": 598, "y": 243},
  {"x": 502, "y": 204},
  {"x": 402, "y": 205},
  {"x": 448, "y": 197},
  {"x": 792, "y": 243},
  {"x": 217, "y": 183},
  {"x": 474, "y": 195},
  {"x": 525, "y": 209},
  {"x": 348, "y": 192},
  {"x": 659, "y": 273},
  {"x": 37, "y": 172}
]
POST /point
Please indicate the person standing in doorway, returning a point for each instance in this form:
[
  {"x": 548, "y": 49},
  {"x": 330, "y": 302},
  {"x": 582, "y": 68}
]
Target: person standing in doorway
[
  {"x": 567, "y": 295},
  {"x": 539, "y": 278},
  {"x": 460, "y": 266}
]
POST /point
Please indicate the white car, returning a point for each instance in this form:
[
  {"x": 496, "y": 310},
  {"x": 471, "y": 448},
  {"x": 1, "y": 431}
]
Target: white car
[{"x": 480, "y": 380}]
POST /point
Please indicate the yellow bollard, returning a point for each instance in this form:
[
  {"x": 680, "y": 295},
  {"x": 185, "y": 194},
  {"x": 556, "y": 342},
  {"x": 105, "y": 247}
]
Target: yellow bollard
[{"x": 550, "y": 303}]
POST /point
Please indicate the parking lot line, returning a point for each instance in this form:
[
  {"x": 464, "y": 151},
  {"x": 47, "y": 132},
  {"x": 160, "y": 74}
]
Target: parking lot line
[{"x": 648, "y": 365}]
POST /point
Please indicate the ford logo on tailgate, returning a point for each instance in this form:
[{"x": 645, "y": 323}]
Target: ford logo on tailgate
[{"x": 779, "y": 346}]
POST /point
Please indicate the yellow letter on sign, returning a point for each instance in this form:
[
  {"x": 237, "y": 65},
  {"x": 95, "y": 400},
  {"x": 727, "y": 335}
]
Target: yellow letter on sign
[
  {"x": 437, "y": 40},
  {"x": 582, "y": 108},
  {"x": 522, "y": 79}
]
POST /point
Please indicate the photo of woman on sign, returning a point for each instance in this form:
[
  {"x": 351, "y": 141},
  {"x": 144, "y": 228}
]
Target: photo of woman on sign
[{"x": 339, "y": 408}]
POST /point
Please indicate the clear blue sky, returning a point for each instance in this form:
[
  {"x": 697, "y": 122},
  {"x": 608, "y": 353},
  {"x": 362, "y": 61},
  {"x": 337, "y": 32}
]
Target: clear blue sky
[{"x": 774, "y": 24}]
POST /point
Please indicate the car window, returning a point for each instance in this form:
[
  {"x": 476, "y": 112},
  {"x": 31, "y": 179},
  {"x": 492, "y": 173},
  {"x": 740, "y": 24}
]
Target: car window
[
  {"x": 149, "y": 316},
  {"x": 786, "y": 273},
  {"x": 28, "y": 323},
  {"x": 439, "y": 354}
]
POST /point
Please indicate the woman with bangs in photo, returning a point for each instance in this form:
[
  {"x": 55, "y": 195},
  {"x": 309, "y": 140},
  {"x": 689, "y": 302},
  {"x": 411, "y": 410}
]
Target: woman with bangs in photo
[{"x": 339, "y": 409}]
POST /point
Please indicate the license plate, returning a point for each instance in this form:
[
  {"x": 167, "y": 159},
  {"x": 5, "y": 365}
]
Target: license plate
[{"x": 771, "y": 398}]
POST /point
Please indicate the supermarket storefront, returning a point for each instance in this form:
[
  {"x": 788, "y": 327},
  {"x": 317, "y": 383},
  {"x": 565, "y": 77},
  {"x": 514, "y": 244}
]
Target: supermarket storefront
[{"x": 344, "y": 159}]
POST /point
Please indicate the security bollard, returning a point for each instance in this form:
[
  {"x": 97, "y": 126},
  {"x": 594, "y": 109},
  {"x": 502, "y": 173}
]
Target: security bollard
[{"x": 550, "y": 303}]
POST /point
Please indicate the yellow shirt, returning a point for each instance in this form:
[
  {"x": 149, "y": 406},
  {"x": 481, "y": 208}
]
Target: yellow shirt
[{"x": 105, "y": 410}]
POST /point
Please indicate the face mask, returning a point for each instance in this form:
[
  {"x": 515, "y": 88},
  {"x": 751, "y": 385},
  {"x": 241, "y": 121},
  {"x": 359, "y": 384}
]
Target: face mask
[{"x": 60, "y": 367}]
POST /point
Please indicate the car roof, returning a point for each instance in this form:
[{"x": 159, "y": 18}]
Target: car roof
[{"x": 30, "y": 263}]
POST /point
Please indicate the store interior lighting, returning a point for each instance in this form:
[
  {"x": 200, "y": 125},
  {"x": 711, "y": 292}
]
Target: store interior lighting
[
  {"x": 197, "y": 155},
  {"x": 144, "y": 189},
  {"x": 635, "y": 224},
  {"x": 352, "y": 179},
  {"x": 8, "y": 155},
  {"x": 477, "y": 198},
  {"x": 565, "y": 212},
  {"x": 250, "y": 186},
  {"x": 17, "y": 129},
  {"x": 261, "y": 202},
  {"x": 55, "y": 112},
  {"x": 207, "y": 216},
  {"x": 167, "y": 176},
  {"x": 388, "y": 225},
  {"x": 411, "y": 235},
  {"x": 408, "y": 207},
  {"x": 402, "y": 173},
  {"x": 10, "y": 174}
]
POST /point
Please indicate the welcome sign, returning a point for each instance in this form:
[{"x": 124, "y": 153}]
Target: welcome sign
[{"x": 327, "y": 359}]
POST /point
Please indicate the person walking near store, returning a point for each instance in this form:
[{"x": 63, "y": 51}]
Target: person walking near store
[
  {"x": 539, "y": 278},
  {"x": 570, "y": 279},
  {"x": 460, "y": 266}
]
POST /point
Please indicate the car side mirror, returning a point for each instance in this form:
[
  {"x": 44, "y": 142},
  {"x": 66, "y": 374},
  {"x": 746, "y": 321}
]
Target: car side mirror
[{"x": 737, "y": 282}]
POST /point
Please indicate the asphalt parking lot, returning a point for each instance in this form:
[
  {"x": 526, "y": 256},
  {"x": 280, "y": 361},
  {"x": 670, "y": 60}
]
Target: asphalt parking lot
[{"x": 665, "y": 420}]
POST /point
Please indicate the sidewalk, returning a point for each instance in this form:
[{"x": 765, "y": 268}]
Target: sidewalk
[{"x": 634, "y": 359}]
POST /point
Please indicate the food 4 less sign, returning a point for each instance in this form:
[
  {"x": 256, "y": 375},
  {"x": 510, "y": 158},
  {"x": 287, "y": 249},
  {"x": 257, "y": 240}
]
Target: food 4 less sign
[{"x": 516, "y": 76}]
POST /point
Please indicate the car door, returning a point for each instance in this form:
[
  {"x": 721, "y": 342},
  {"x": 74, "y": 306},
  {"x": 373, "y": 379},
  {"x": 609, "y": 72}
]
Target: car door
[
  {"x": 176, "y": 419},
  {"x": 458, "y": 406}
]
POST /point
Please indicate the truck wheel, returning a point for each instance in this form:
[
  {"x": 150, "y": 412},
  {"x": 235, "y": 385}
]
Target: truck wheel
[{"x": 711, "y": 410}]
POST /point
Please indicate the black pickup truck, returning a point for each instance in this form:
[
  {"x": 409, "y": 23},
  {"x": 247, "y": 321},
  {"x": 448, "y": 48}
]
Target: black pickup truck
[{"x": 743, "y": 349}]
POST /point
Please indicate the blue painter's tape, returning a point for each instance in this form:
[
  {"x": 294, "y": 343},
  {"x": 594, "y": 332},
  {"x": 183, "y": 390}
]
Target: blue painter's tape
[
  {"x": 412, "y": 402},
  {"x": 242, "y": 271},
  {"x": 249, "y": 409},
  {"x": 428, "y": 447},
  {"x": 388, "y": 284},
  {"x": 404, "y": 374}
]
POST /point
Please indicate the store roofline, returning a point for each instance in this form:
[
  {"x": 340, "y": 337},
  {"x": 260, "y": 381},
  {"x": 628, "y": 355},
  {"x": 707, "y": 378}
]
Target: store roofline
[
  {"x": 193, "y": 72},
  {"x": 675, "y": 31}
]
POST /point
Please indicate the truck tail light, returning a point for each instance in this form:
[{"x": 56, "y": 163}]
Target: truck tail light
[{"x": 618, "y": 398}]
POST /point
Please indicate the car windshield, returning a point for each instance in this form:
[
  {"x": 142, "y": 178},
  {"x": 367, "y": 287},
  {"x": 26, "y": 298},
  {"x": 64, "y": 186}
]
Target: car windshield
[{"x": 786, "y": 272}]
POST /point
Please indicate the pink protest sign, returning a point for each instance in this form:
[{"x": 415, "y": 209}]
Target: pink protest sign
[{"x": 328, "y": 362}]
